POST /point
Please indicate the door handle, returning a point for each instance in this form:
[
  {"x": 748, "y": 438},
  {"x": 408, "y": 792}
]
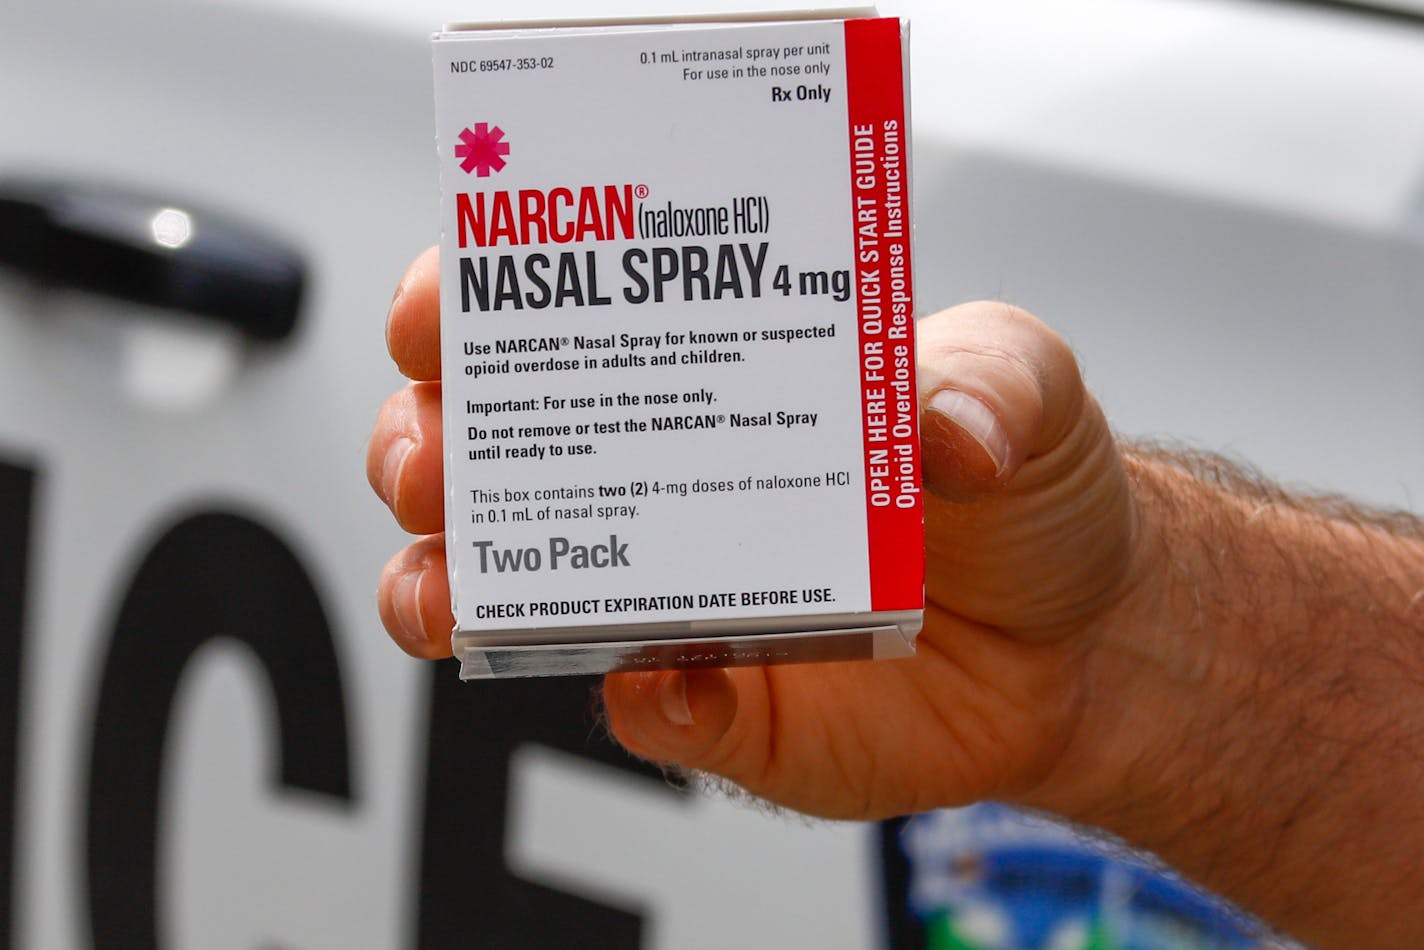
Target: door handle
[{"x": 131, "y": 246}]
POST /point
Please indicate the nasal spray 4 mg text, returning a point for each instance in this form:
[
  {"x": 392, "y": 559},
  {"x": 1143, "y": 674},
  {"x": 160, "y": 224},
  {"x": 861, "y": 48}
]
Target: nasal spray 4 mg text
[{"x": 677, "y": 342}]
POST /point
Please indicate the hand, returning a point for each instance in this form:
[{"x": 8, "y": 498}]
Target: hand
[
  {"x": 1030, "y": 544},
  {"x": 1158, "y": 644},
  {"x": 1030, "y": 541}
]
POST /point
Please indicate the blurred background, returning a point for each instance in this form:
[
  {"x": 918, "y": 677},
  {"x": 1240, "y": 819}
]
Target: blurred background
[{"x": 206, "y": 740}]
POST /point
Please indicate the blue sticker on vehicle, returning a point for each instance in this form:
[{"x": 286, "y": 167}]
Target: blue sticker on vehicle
[{"x": 993, "y": 878}]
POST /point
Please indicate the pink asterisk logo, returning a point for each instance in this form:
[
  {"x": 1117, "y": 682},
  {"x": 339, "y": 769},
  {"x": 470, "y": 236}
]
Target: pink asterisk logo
[{"x": 480, "y": 149}]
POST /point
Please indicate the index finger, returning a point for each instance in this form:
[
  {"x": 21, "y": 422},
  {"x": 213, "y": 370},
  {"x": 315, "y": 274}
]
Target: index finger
[{"x": 413, "y": 324}]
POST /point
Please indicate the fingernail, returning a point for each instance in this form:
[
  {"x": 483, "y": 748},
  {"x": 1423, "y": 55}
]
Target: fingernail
[
  {"x": 672, "y": 697},
  {"x": 976, "y": 420},
  {"x": 406, "y": 601},
  {"x": 392, "y": 466}
]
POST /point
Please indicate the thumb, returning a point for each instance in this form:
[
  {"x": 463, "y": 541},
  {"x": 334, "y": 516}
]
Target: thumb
[
  {"x": 997, "y": 387},
  {"x": 1029, "y": 518}
]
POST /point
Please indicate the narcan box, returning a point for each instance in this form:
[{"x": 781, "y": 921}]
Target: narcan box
[{"x": 677, "y": 344}]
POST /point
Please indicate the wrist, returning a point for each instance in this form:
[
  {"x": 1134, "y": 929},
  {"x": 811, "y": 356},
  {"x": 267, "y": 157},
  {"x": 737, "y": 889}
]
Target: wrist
[{"x": 1253, "y": 704}]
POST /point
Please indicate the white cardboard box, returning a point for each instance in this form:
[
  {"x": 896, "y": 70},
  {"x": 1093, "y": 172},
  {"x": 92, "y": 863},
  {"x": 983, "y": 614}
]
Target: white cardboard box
[{"x": 677, "y": 344}]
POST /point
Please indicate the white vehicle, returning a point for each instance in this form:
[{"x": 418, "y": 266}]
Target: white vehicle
[{"x": 206, "y": 741}]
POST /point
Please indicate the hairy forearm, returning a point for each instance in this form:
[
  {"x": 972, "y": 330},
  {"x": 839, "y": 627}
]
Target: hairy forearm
[{"x": 1257, "y": 703}]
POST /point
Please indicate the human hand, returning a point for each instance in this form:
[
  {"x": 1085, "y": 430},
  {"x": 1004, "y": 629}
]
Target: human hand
[
  {"x": 1031, "y": 544},
  {"x": 1156, "y": 643},
  {"x": 1029, "y": 541}
]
